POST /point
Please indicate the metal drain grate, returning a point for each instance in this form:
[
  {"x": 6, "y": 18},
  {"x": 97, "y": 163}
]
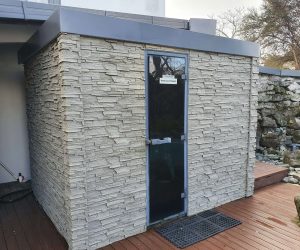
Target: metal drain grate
[
  {"x": 205, "y": 228},
  {"x": 188, "y": 231},
  {"x": 207, "y": 213},
  {"x": 224, "y": 221}
]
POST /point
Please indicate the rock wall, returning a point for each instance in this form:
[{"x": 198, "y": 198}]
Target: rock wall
[
  {"x": 278, "y": 116},
  {"x": 89, "y": 95}
]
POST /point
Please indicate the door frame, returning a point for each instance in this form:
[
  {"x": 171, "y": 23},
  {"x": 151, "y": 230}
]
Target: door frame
[{"x": 172, "y": 54}]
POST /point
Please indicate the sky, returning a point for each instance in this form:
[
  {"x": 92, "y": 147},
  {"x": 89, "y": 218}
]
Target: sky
[{"x": 186, "y": 9}]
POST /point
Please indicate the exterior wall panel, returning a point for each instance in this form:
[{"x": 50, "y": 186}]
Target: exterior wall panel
[
  {"x": 46, "y": 111},
  {"x": 221, "y": 151}
]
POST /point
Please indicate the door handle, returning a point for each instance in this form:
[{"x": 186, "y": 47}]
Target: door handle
[{"x": 159, "y": 141}]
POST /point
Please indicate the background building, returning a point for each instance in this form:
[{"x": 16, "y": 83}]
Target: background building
[{"x": 142, "y": 7}]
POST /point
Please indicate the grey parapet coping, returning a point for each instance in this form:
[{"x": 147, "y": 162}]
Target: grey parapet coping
[
  {"x": 291, "y": 73},
  {"x": 43, "y": 36},
  {"x": 88, "y": 24},
  {"x": 269, "y": 71},
  {"x": 38, "y": 11},
  {"x": 279, "y": 72},
  {"x": 31, "y": 11},
  {"x": 12, "y": 9}
]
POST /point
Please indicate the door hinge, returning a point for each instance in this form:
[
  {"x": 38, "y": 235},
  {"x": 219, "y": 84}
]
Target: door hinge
[
  {"x": 182, "y": 137},
  {"x": 183, "y": 77}
]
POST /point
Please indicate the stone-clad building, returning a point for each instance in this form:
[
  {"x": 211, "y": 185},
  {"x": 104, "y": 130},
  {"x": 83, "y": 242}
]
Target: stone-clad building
[{"x": 133, "y": 123}]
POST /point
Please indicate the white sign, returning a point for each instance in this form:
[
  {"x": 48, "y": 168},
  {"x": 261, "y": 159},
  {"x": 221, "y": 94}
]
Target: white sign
[{"x": 168, "y": 79}]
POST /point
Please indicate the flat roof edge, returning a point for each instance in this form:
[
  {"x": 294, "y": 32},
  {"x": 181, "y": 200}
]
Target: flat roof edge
[
  {"x": 93, "y": 25},
  {"x": 279, "y": 72}
]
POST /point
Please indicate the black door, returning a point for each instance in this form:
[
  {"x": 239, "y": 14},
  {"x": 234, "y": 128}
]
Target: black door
[{"x": 166, "y": 135}]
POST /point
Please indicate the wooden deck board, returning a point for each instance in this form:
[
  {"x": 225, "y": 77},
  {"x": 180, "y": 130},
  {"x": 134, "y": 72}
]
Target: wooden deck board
[
  {"x": 259, "y": 224},
  {"x": 267, "y": 223},
  {"x": 267, "y": 174},
  {"x": 25, "y": 226}
]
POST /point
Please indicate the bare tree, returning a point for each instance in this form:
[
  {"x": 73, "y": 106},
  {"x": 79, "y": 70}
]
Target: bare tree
[
  {"x": 276, "y": 26},
  {"x": 229, "y": 23}
]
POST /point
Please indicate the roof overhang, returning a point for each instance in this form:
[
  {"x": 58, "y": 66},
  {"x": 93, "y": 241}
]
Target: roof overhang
[
  {"x": 279, "y": 72},
  {"x": 26, "y": 11},
  {"x": 93, "y": 25}
]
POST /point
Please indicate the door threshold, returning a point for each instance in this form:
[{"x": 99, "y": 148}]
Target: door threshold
[{"x": 166, "y": 220}]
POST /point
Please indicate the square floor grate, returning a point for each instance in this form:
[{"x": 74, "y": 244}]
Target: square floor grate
[{"x": 188, "y": 231}]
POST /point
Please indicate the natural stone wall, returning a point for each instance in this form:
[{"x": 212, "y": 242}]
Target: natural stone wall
[
  {"x": 46, "y": 111},
  {"x": 101, "y": 125},
  {"x": 222, "y": 129},
  {"x": 278, "y": 111},
  {"x": 278, "y": 131}
]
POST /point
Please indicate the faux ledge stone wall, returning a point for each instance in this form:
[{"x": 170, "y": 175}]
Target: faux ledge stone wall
[
  {"x": 222, "y": 129},
  {"x": 88, "y": 94},
  {"x": 46, "y": 111}
]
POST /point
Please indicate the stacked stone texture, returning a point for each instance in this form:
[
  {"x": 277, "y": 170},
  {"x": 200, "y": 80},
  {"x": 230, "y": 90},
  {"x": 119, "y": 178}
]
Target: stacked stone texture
[
  {"x": 86, "y": 109},
  {"x": 46, "y": 111},
  {"x": 222, "y": 129}
]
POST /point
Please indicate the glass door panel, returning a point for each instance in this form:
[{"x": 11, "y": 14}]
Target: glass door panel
[{"x": 166, "y": 126}]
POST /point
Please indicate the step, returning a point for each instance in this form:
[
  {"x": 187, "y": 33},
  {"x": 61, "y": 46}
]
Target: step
[{"x": 267, "y": 174}]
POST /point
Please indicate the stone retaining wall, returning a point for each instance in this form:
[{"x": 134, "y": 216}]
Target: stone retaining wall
[
  {"x": 278, "y": 114},
  {"x": 278, "y": 130}
]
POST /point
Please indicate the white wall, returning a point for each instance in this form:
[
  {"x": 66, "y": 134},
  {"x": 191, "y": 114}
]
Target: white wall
[
  {"x": 14, "y": 151},
  {"x": 16, "y": 33},
  {"x": 142, "y": 7},
  {"x": 187, "y": 9}
]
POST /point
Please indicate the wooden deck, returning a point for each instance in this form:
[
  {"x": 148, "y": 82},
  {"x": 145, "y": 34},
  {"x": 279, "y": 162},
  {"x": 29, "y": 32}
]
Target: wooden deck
[
  {"x": 25, "y": 226},
  {"x": 268, "y": 222},
  {"x": 267, "y": 174}
]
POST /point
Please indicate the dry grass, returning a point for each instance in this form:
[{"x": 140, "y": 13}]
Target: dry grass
[
  {"x": 297, "y": 155},
  {"x": 289, "y": 157},
  {"x": 297, "y": 221}
]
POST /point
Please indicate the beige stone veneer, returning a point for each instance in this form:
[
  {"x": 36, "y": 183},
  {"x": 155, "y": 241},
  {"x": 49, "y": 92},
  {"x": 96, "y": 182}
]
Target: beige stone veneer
[{"x": 86, "y": 114}]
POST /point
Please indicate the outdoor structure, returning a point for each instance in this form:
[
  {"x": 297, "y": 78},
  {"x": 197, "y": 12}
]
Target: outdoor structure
[
  {"x": 18, "y": 22},
  {"x": 132, "y": 123}
]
